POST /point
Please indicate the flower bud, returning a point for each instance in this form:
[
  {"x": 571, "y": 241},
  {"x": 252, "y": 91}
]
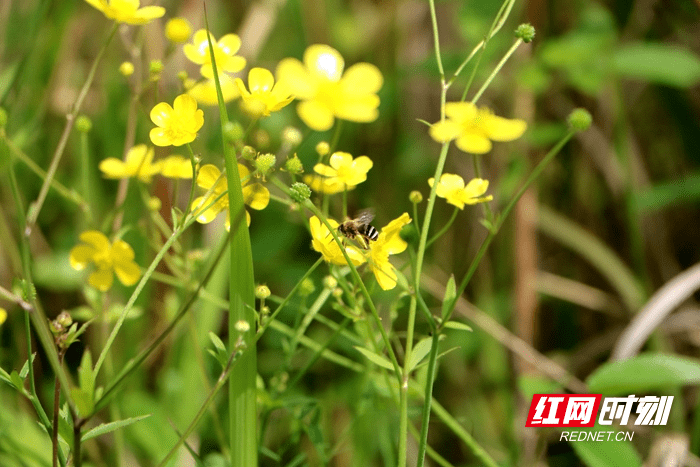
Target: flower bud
[
  {"x": 337, "y": 292},
  {"x": 300, "y": 192},
  {"x": 242, "y": 326},
  {"x": 415, "y": 197},
  {"x": 126, "y": 68},
  {"x": 262, "y": 292},
  {"x": 64, "y": 319},
  {"x": 306, "y": 287},
  {"x": 292, "y": 136},
  {"x": 526, "y": 32},
  {"x": 330, "y": 282},
  {"x": 248, "y": 153},
  {"x": 323, "y": 148},
  {"x": 264, "y": 163},
  {"x": 83, "y": 124},
  {"x": 154, "y": 204},
  {"x": 178, "y": 30},
  {"x": 580, "y": 119},
  {"x": 294, "y": 165},
  {"x": 154, "y": 69}
]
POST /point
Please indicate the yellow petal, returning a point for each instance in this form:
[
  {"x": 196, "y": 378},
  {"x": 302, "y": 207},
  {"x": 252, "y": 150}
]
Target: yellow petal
[
  {"x": 324, "y": 61},
  {"x": 316, "y": 115},
  {"x": 99, "y": 4},
  {"x": 363, "y": 78},
  {"x": 385, "y": 275},
  {"x": 114, "y": 168},
  {"x": 147, "y": 14},
  {"x": 256, "y": 196},
  {"x": 80, "y": 256},
  {"x": 296, "y": 78},
  {"x": 452, "y": 181},
  {"x": 207, "y": 176},
  {"x": 461, "y": 111},
  {"x": 205, "y": 92},
  {"x": 340, "y": 159},
  {"x": 176, "y": 167},
  {"x": 444, "y": 131},
  {"x": 229, "y": 44},
  {"x": 160, "y": 114},
  {"x": 503, "y": 129},
  {"x": 209, "y": 214},
  {"x": 362, "y": 164},
  {"x": 261, "y": 80},
  {"x": 96, "y": 239},
  {"x": 128, "y": 272},
  {"x": 243, "y": 174},
  {"x": 101, "y": 279},
  {"x": 122, "y": 251},
  {"x": 473, "y": 143},
  {"x": 184, "y": 105},
  {"x": 160, "y": 137},
  {"x": 355, "y": 108},
  {"x": 476, "y": 187},
  {"x": 326, "y": 171}
]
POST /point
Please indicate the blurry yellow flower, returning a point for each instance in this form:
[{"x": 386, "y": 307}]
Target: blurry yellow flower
[
  {"x": 224, "y": 52},
  {"x": 323, "y": 185},
  {"x": 254, "y": 195},
  {"x": 126, "y": 68},
  {"x": 178, "y": 30},
  {"x": 108, "y": 259},
  {"x": 139, "y": 163},
  {"x": 326, "y": 92},
  {"x": 323, "y": 242},
  {"x": 176, "y": 167},
  {"x": 3, "y": 315},
  {"x": 177, "y": 125},
  {"x": 475, "y": 128},
  {"x": 127, "y": 11},
  {"x": 451, "y": 187},
  {"x": 265, "y": 96},
  {"x": 344, "y": 170},
  {"x": 205, "y": 91},
  {"x": 388, "y": 243},
  {"x": 154, "y": 203}
]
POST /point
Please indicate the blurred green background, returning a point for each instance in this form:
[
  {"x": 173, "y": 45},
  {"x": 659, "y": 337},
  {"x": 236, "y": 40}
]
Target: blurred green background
[{"x": 632, "y": 181}]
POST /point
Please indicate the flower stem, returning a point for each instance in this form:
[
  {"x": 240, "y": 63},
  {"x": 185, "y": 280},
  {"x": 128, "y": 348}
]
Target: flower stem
[
  {"x": 35, "y": 207},
  {"x": 444, "y": 229},
  {"x": 495, "y": 71}
]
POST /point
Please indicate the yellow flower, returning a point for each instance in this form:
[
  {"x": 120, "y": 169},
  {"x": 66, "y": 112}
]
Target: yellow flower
[
  {"x": 451, "y": 187},
  {"x": 326, "y": 92},
  {"x": 126, "y": 68},
  {"x": 205, "y": 91},
  {"x": 264, "y": 96},
  {"x": 224, "y": 53},
  {"x": 254, "y": 195},
  {"x": 388, "y": 243},
  {"x": 323, "y": 185},
  {"x": 177, "y": 125},
  {"x": 178, "y": 30},
  {"x": 323, "y": 242},
  {"x": 127, "y": 11},
  {"x": 3, "y": 315},
  {"x": 108, "y": 259},
  {"x": 176, "y": 167},
  {"x": 344, "y": 170},
  {"x": 139, "y": 163},
  {"x": 474, "y": 128}
]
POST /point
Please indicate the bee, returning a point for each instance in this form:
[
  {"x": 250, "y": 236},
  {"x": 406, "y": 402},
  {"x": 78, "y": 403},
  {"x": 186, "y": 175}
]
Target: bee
[{"x": 360, "y": 227}]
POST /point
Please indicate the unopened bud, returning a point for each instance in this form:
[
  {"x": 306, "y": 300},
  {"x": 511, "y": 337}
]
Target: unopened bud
[
  {"x": 580, "y": 119},
  {"x": 300, "y": 192},
  {"x": 126, "y": 68},
  {"x": 415, "y": 197},
  {"x": 323, "y": 148},
  {"x": 526, "y": 32},
  {"x": 262, "y": 292},
  {"x": 294, "y": 165},
  {"x": 83, "y": 124}
]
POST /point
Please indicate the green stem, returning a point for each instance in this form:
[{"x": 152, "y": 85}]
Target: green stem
[
  {"x": 445, "y": 228},
  {"x": 85, "y": 174},
  {"x": 495, "y": 71},
  {"x": 60, "y": 148}
]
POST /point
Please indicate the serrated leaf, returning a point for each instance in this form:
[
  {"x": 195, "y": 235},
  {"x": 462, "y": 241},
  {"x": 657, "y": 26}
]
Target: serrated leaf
[
  {"x": 458, "y": 326},
  {"x": 606, "y": 454},
  {"x": 83, "y": 401},
  {"x": 643, "y": 373},
  {"x": 449, "y": 298},
  {"x": 419, "y": 351},
  {"x": 374, "y": 358},
  {"x": 658, "y": 63},
  {"x": 218, "y": 343},
  {"x": 105, "y": 428}
]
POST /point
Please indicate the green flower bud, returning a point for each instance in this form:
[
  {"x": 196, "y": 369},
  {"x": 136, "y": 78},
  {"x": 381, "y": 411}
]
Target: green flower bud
[
  {"x": 3, "y": 117},
  {"x": 294, "y": 165},
  {"x": 154, "y": 68},
  {"x": 233, "y": 132},
  {"x": 306, "y": 287},
  {"x": 83, "y": 124},
  {"x": 262, "y": 292},
  {"x": 415, "y": 197},
  {"x": 330, "y": 282},
  {"x": 337, "y": 292},
  {"x": 526, "y": 32},
  {"x": 64, "y": 319},
  {"x": 248, "y": 153},
  {"x": 242, "y": 326},
  {"x": 300, "y": 192},
  {"x": 580, "y": 119},
  {"x": 264, "y": 163},
  {"x": 323, "y": 148}
]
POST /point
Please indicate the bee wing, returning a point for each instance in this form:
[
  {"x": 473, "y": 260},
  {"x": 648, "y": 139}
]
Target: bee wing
[{"x": 365, "y": 216}]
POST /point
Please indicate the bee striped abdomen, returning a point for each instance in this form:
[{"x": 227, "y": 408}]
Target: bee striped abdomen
[{"x": 369, "y": 231}]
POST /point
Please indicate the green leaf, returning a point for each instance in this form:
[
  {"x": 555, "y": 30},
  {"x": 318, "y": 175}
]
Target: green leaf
[
  {"x": 374, "y": 358},
  {"x": 5, "y": 376},
  {"x": 673, "y": 193},
  {"x": 646, "y": 372},
  {"x": 25, "y": 368},
  {"x": 450, "y": 295},
  {"x": 83, "y": 401},
  {"x": 419, "y": 351},
  {"x": 16, "y": 380},
  {"x": 217, "y": 342},
  {"x": 458, "y": 326},
  {"x": 606, "y": 454},
  {"x": 105, "y": 428},
  {"x": 658, "y": 63},
  {"x": 86, "y": 379}
]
